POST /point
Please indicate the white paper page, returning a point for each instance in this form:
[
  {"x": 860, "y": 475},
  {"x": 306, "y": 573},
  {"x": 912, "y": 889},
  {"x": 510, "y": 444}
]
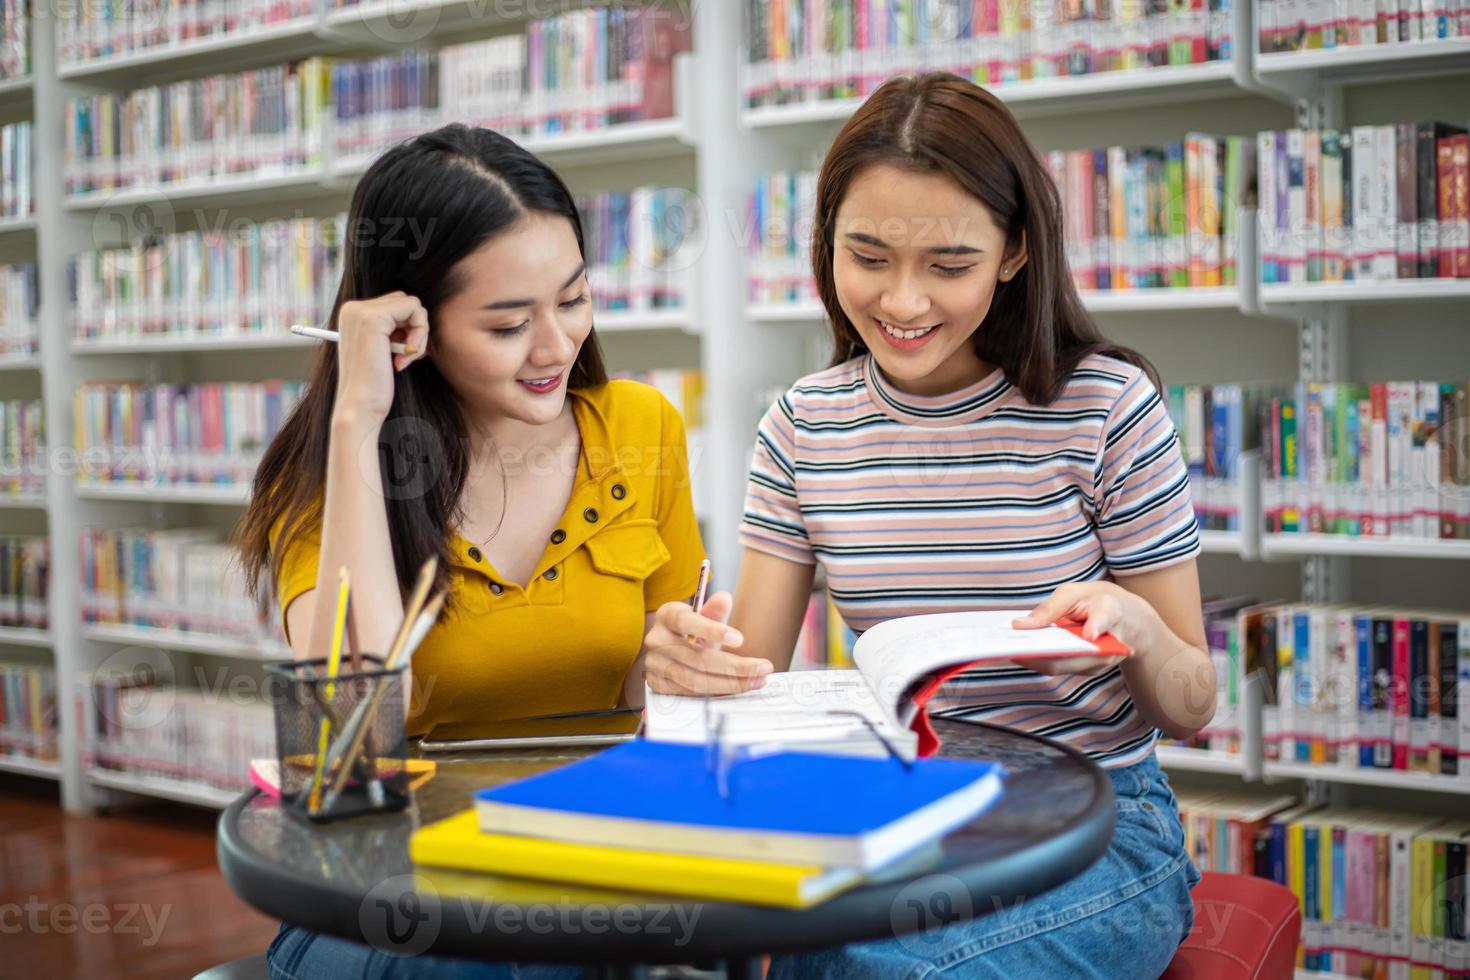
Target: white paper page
[
  {"x": 893, "y": 654},
  {"x": 788, "y": 708}
]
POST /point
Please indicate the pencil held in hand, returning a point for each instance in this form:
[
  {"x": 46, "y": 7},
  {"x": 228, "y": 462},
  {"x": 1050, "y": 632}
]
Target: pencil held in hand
[{"x": 318, "y": 333}]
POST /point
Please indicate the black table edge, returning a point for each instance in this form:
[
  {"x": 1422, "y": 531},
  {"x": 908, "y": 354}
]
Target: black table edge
[{"x": 747, "y": 929}]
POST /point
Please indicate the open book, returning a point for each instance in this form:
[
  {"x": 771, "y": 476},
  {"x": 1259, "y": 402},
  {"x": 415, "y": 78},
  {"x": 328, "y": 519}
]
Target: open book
[{"x": 900, "y": 665}]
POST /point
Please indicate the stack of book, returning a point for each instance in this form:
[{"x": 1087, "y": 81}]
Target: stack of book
[
  {"x": 133, "y": 722},
  {"x": 178, "y": 434},
  {"x": 1216, "y": 425},
  {"x": 640, "y": 245},
  {"x": 99, "y": 28},
  {"x": 783, "y": 829},
  {"x": 1369, "y": 203},
  {"x": 23, "y": 458},
  {"x": 825, "y": 640},
  {"x": 15, "y": 44},
  {"x": 1363, "y": 687},
  {"x": 778, "y": 236},
  {"x": 1376, "y": 460},
  {"x": 1223, "y": 639},
  {"x": 19, "y": 306},
  {"x": 25, "y": 581},
  {"x": 1154, "y": 217},
  {"x": 682, "y": 387},
  {"x": 1290, "y": 25},
  {"x": 28, "y": 712},
  {"x": 17, "y": 160},
  {"x": 845, "y": 48},
  {"x": 1382, "y": 894},
  {"x": 245, "y": 279},
  {"x": 181, "y": 579},
  {"x": 579, "y": 71},
  {"x": 379, "y": 102},
  {"x": 265, "y": 122}
]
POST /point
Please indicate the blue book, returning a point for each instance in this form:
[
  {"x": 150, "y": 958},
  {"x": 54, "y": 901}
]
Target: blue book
[{"x": 792, "y": 807}]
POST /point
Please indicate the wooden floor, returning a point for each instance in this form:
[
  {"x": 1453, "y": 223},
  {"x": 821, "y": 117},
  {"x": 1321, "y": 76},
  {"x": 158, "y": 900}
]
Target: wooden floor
[{"x": 133, "y": 895}]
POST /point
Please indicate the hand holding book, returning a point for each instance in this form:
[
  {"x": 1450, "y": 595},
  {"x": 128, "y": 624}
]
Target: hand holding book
[{"x": 1097, "y": 608}]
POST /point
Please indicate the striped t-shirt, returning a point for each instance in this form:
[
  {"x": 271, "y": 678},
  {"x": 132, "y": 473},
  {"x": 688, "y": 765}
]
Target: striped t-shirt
[{"x": 978, "y": 499}]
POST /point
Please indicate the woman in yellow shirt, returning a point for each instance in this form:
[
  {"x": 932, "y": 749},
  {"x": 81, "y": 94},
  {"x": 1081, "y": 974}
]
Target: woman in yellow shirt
[{"x": 557, "y": 502}]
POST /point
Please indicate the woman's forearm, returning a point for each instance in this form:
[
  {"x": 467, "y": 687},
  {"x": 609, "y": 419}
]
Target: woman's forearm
[
  {"x": 1172, "y": 682},
  {"x": 355, "y": 534}
]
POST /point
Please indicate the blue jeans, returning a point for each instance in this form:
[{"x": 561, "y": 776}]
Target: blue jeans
[{"x": 1121, "y": 919}]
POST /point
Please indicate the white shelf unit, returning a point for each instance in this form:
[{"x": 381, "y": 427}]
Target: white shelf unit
[
  {"x": 178, "y": 790},
  {"x": 25, "y": 636},
  {"x": 186, "y": 641},
  {"x": 1394, "y": 779},
  {"x": 728, "y": 145},
  {"x": 40, "y": 768},
  {"x": 1178, "y": 759},
  {"x": 186, "y": 343},
  {"x": 1388, "y": 291},
  {"x": 231, "y": 494},
  {"x": 1369, "y": 62},
  {"x": 22, "y": 501},
  {"x": 1274, "y": 545},
  {"x": 20, "y": 362},
  {"x": 15, "y": 94}
]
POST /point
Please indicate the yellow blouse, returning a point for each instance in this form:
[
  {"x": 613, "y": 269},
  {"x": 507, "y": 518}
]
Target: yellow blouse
[{"x": 626, "y": 543}]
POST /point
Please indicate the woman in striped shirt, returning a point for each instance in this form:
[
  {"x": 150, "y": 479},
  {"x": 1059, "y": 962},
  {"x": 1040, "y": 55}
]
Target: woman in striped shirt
[{"x": 977, "y": 444}]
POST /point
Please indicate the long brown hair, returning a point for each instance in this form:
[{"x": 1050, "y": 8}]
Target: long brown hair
[
  {"x": 420, "y": 208},
  {"x": 1036, "y": 330}
]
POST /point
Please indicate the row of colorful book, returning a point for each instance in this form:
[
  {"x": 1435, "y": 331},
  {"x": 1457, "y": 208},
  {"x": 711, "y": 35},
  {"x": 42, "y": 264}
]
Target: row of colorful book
[
  {"x": 1366, "y": 203},
  {"x": 24, "y": 461},
  {"x": 15, "y": 44},
  {"x": 1225, "y": 731},
  {"x": 28, "y": 723},
  {"x": 281, "y": 119},
  {"x": 1383, "y": 894},
  {"x": 20, "y": 302},
  {"x": 177, "y": 434},
  {"x": 1363, "y": 687},
  {"x": 25, "y": 581},
  {"x": 264, "y": 122},
  {"x": 825, "y": 640},
  {"x": 578, "y": 71},
  {"x": 641, "y": 246},
  {"x": 1217, "y": 425},
  {"x": 104, "y": 28},
  {"x": 683, "y": 387},
  {"x": 250, "y": 278},
  {"x": 1385, "y": 459},
  {"x": 17, "y": 171},
  {"x": 134, "y": 722},
  {"x": 1296, "y": 25},
  {"x": 183, "y": 579},
  {"x": 801, "y": 50},
  {"x": 1153, "y": 217}
]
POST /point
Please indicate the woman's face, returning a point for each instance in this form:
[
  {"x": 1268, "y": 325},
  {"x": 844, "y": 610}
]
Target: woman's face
[
  {"x": 916, "y": 259},
  {"x": 507, "y": 340}
]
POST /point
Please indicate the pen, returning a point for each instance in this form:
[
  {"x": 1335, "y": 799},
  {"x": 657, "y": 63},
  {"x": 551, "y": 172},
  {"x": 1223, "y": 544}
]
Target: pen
[{"x": 332, "y": 335}]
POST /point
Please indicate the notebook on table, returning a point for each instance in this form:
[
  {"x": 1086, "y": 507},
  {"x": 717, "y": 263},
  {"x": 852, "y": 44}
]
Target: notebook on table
[{"x": 786, "y": 807}]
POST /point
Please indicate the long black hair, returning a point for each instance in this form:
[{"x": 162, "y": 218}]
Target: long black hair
[{"x": 421, "y": 207}]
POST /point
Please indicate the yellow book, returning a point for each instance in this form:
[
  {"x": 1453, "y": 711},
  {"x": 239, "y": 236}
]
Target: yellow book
[
  {"x": 458, "y": 843},
  {"x": 1421, "y": 893}
]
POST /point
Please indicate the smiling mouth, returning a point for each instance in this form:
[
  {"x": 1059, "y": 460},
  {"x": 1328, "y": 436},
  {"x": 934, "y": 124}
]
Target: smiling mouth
[
  {"x": 541, "y": 384},
  {"x": 900, "y": 333}
]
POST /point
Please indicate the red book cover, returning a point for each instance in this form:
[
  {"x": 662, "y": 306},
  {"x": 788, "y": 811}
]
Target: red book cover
[
  {"x": 666, "y": 33},
  {"x": 1107, "y": 645}
]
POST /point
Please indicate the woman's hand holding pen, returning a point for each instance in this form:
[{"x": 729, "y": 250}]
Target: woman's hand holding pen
[
  {"x": 365, "y": 364},
  {"x": 684, "y": 651}
]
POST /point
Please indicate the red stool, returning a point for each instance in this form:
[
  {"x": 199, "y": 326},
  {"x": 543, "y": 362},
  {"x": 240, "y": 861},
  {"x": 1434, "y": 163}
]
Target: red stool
[{"x": 1244, "y": 927}]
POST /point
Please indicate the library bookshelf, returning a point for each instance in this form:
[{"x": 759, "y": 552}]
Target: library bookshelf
[{"x": 714, "y": 145}]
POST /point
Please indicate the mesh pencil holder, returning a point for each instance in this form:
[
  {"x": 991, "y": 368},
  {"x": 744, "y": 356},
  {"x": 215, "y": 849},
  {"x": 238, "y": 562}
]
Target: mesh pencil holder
[{"x": 341, "y": 740}]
